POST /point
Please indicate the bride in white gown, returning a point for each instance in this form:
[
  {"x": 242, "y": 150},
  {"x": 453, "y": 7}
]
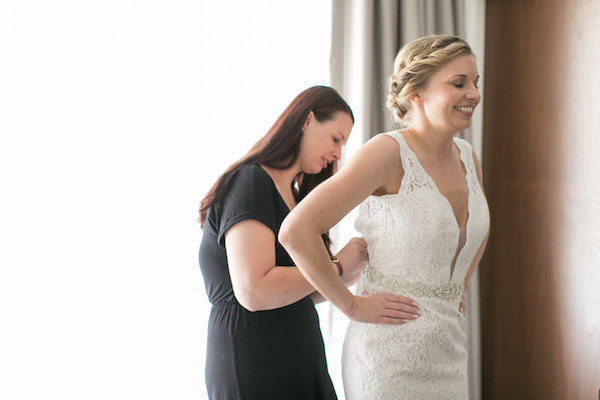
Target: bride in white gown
[{"x": 425, "y": 219}]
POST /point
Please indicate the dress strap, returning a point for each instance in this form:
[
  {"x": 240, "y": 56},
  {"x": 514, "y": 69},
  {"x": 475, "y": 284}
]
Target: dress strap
[
  {"x": 466, "y": 155},
  {"x": 404, "y": 154}
]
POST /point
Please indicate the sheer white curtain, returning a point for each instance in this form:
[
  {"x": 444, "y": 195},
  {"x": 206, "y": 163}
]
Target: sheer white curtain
[{"x": 366, "y": 36}]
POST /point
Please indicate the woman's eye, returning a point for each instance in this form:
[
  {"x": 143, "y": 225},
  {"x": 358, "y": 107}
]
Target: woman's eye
[
  {"x": 336, "y": 140},
  {"x": 459, "y": 85}
]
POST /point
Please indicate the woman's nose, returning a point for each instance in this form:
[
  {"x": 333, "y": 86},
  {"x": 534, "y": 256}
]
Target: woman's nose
[
  {"x": 474, "y": 94},
  {"x": 337, "y": 153}
]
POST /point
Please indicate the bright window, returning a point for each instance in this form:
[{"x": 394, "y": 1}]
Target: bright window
[{"x": 117, "y": 116}]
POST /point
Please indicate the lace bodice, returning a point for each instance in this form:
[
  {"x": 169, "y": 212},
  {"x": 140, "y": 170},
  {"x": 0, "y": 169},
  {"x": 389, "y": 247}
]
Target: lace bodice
[
  {"x": 415, "y": 249},
  {"x": 414, "y": 234}
]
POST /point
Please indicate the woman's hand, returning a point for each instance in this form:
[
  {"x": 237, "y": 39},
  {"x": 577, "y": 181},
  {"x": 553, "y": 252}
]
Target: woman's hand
[
  {"x": 383, "y": 309},
  {"x": 353, "y": 258}
]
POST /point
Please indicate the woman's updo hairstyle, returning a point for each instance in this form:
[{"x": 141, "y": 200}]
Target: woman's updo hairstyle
[{"x": 415, "y": 63}]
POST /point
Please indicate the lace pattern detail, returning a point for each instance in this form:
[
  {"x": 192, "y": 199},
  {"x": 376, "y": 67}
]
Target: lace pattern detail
[{"x": 413, "y": 239}]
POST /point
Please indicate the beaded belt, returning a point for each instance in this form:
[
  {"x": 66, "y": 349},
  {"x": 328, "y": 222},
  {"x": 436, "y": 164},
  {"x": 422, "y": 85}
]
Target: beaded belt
[{"x": 448, "y": 291}]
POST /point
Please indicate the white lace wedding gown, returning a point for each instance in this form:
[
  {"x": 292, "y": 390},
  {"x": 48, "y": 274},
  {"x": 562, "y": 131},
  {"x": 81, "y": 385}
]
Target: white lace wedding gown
[{"x": 415, "y": 251}]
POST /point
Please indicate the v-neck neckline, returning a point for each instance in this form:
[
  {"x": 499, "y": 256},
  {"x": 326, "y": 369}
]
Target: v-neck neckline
[
  {"x": 435, "y": 186},
  {"x": 459, "y": 250},
  {"x": 275, "y": 187}
]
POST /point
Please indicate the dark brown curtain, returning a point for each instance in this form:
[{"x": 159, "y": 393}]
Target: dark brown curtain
[{"x": 541, "y": 271}]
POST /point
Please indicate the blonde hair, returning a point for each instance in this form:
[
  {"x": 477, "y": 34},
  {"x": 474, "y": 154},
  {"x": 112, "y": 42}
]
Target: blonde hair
[{"x": 415, "y": 63}]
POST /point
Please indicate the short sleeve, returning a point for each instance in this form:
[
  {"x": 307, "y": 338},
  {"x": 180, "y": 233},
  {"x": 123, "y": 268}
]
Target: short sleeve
[{"x": 251, "y": 195}]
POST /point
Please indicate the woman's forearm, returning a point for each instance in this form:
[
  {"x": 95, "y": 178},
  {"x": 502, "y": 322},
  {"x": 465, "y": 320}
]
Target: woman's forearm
[
  {"x": 311, "y": 257},
  {"x": 279, "y": 287}
]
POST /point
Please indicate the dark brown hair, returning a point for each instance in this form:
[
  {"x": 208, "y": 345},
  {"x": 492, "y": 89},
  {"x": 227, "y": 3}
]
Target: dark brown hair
[{"x": 280, "y": 147}]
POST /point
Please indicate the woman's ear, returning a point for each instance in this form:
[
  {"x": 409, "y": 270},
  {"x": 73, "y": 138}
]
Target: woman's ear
[
  {"x": 415, "y": 98},
  {"x": 309, "y": 117}
]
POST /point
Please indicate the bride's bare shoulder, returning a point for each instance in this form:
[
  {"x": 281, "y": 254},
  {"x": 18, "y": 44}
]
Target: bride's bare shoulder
[{"x": 380, "y": 156}]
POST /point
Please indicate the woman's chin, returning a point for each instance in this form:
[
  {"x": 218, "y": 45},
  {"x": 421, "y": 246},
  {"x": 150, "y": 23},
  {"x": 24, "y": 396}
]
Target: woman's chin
[
  {"x": 317, "y": 170},
  {"x": 465, "y": 124}
]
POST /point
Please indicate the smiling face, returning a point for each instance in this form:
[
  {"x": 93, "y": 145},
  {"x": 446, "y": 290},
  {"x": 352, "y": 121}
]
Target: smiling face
[
  {"x": 448, "y": 99},
  {"x": 322, "y": 141}
]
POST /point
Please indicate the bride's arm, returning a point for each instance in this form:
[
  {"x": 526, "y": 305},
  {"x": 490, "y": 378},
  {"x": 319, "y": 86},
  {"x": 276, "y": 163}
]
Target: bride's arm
[{"x": 373, "y": 168}]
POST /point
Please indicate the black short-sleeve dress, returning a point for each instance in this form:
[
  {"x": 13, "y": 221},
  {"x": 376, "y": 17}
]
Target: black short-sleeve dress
[{"x": 272, "y": 354}]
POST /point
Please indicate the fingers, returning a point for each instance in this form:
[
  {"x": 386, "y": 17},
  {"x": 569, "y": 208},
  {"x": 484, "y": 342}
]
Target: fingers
[
  {"x": 402, "y": 315},
  {"x": 355, "y": 252},
  {"x": 362, "y": 247},
  {"x": 391, "y": 316},
  {"x": 384, "y": 308},
  {"x": 398, "y": 303},
  {"x": 360, "y": 241},
  {"x": 364, "y": 254},
  {"x": 361, "y": 244},
  {"x": 403, "y": 309},
  {"x": 401, "y": 303},
  {"x": 399, "y": 308},
  {"x": 393, "y": 321}
]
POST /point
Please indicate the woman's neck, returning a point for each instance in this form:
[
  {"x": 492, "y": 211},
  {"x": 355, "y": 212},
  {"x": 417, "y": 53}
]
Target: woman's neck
[
  {"x": 283, "y": 181},
  {"x": 437, "y": 143}
]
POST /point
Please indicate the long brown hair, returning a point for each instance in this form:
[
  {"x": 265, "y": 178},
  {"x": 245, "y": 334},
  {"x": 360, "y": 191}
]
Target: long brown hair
[{"x": 280, "y": 147}]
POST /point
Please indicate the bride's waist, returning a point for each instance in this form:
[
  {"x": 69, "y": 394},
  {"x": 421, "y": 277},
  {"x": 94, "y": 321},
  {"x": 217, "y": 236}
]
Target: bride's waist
[{"x": 449, "y": 291}]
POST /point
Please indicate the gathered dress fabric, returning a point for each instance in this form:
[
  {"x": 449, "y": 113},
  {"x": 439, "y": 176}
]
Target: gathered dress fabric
[
  {"x": 415, "y": 251},
  {"x": 272, "y": 354}
]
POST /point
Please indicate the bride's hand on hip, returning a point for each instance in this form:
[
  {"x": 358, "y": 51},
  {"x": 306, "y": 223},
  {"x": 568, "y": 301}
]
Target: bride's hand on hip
[
  {"x": 383, "y": 309},
  {"x": 353, "y": 257}
]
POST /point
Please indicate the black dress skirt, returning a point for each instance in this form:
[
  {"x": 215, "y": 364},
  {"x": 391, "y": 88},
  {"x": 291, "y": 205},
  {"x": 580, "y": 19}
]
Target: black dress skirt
[{"x": 273, "y": 354}]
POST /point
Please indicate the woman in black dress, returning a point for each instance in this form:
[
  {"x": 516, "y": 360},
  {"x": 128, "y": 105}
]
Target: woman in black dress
[{"x": 264, "y": 339}]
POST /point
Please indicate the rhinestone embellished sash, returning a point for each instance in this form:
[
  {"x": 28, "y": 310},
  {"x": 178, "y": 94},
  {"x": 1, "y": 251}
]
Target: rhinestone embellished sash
[{"x": 449, "y": 291}]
